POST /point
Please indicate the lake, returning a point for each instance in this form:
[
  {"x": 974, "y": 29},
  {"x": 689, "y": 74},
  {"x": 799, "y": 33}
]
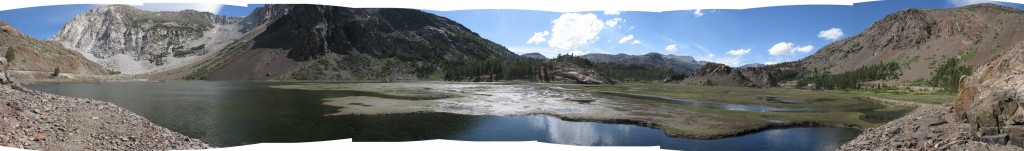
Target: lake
[{"x": 239, "y": 113}]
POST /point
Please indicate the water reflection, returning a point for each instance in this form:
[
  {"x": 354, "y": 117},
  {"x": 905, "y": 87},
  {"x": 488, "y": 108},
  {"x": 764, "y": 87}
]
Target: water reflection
[{"x": 554, "y": 130}]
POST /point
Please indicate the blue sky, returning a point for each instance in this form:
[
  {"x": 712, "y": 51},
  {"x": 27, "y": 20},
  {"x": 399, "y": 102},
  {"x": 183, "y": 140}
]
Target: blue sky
[{"x": 733, "y": 37}]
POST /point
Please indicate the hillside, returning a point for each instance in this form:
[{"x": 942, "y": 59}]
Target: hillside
[
  {"x": 920, "y": 41},
  {"x": 313, "y": 42},
  {"x": 35, "y": 56}
]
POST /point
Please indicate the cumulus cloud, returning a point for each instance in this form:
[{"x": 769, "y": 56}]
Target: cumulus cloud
[
  {"x": 635, "y": 42},
  {"x": 831, "y": 34},
  {"x": 612, "y": 22},
  {"x": 212, "y": 8},
  {"x": 959, "y": 3},
  {"x": 538, "y": 37},
  {"x": 625, "y": 39},
  {"x": 572, "y": 30},
  {"x": 671, "y": 48},
  {"x": 611, "y": 12},
  {"x": 788, "y": 48},
  {"x": 697, "y": 13},
  {"x": 738, "y": 52}
]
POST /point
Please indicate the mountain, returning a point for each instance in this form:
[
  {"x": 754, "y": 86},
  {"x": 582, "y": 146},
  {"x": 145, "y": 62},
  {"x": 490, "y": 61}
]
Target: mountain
[
  {"x": 535, "y": 56},
  {"x": 37, "y": 57},
  {"x": 716, "y": 74},
  {"x": 314, "y": 42},
  {"x": 922, "y": 40},
  {"x": 676, "y": 63},
  {"x": 133, "y": 41}
]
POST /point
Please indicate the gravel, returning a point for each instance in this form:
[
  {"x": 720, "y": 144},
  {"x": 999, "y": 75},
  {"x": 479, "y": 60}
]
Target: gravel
[{"x": 40, "y": 121}]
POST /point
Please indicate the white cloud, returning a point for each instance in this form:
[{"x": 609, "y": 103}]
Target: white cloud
[
  {"x": 697, "y": 13},
  {"x": 635, "y": 42},
  {"x": 787, "y": 48},
  {"x": 831, "y": 34},
  {"x": 806, "y": 48},
  {"x": 212, "y": 8},
  {"x": 612, "y": 22},
  {"x": 630, "y": 28},
  {"x": 769, "y": 63},
  {"x": 538, "y": 37},
  {"x": 573, "y": 30},
  {"x": 738, "y": 52},
  {"x": 671, "y": 48},
  {"x": 959, "y": 3},
  {"x": 625, "y": 39},
  {"x": 611, "y": 12}
]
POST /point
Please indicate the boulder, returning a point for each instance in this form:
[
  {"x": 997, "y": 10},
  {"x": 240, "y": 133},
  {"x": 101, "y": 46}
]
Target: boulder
[{"x": 991, "y": 98}]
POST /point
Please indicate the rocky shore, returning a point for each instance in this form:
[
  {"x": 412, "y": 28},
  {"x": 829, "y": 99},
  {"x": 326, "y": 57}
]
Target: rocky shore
[
  {"x": 930, "y": 127},
  {"x": 40, "y": 121}
]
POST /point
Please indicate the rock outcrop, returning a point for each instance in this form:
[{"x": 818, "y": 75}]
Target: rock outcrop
[
  {"x": 929, "y": 127},
  {"x": 992, "y": 99},
  {"x": 573, "y": 73},
  {"x": 133, "y": 41},
  {"x": 715, "y": 74}
]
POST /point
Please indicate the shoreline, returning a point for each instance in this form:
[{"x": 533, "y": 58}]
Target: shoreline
[{"x": 42, "y": 121}]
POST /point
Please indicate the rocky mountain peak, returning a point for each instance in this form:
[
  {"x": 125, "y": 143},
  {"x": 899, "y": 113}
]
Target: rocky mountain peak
[{"x": 132, "y": 41}]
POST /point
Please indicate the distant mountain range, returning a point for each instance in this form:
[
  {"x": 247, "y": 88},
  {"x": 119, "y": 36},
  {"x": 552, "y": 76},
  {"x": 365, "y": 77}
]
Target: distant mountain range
[
  {"x": 534, "y": 55},
  {"x": 678, "y": 63}
]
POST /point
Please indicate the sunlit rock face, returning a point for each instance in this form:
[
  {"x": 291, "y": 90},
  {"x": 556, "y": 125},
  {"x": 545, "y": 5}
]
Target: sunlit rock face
[
  {"x": 129, "y": 40},
  {"x": 991, "y": 99}
]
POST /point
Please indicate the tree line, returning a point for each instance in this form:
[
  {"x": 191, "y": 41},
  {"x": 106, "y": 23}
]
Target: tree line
[
  {"x": 853, "y": 79},
  {"x": 531, "y": 69}
]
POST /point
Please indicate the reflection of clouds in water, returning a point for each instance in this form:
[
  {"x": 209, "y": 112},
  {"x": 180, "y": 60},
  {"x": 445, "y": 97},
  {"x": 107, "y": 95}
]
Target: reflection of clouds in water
[
  {"x": 779, "y": 137},
  {"x": 575, "y": 133},
  {"x": 537, "y": 124},
  {"x": 822, "y": 138}
]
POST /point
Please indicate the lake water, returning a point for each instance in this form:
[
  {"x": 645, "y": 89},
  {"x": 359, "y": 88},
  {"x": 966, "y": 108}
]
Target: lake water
[{"x": 239, "y": 113}]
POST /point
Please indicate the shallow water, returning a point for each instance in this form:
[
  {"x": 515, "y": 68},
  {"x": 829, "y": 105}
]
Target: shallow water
[{"x": 239, "y": 113}]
